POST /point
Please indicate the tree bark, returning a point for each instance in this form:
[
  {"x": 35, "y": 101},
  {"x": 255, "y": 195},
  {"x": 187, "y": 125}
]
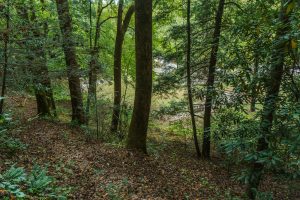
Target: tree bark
[
  {"x": 143, "y": 91},
  {"x": 189, "y": 82},
  {"x": 5, "y": 55},
  {"x": 68, "y": 45},
  {"x": 49, "y": 91},
  {"x": 44, "y": 94},
  {"x": 273, "y": 87},
  {"x": 121, "y": 30},
  {"x": 254, "y": 83},
  {"x": 211, "y": 80},
  {"x": 37, "y": 58},
  {"x": 92, "y": 80}
]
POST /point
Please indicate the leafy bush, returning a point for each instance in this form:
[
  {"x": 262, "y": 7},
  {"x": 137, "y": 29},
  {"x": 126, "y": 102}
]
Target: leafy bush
[
  {"x": 236, "y": 135},
  {"x": 10, "y": 180},
  {"x": 8, "y": 143},
  {"x": 36, "y": 184},
  {"x": 173, "y": 108},
  {"x": 5, "y": 120},
  {"x": 114, "y": 189},
  {"x": 180, "y": 127}
]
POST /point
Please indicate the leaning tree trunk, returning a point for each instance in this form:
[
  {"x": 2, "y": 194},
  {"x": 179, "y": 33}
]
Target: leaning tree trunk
[
  {"x": 143, "y": 91},
  {"x": 211, "y": 80},
  {"x": 121, "y": 30},
  {"x": 68, "y": 45},
  {"x": 5, "y": 53},
  {"x": 189, "y": 82},
  {"x": 273, "y": 87}
]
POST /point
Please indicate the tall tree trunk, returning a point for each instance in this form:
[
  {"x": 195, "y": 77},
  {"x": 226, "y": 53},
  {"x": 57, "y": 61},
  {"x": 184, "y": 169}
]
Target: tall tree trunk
[
  {"x": 211, "y": 80},
  {"x": 37, "y": 58},
  {"x": 121, "y": 30},
  {"x": 189, "y": 82},
  {"x": 143, "y": 91},
  {"x": 44, "y": 94},
  {"x": 42, "y": 83},
  {"x": 5, "y": 55},
  {"x": 49, "y": 91},
  {"x": 94, "y": 61},
  {"x": 90, "y": 68},
  {"x": 68, "y": 45},
  {"x": 273, "y": 87}
]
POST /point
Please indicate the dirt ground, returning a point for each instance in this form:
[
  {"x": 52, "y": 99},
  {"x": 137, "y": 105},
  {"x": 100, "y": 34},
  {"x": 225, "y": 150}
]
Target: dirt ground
[{"x": 96, "y": 170}]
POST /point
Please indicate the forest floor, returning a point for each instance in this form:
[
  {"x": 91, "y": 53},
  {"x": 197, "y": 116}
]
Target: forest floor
[{"x": 97, "y": 170}]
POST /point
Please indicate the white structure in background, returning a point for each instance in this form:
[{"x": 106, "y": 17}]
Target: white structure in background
[
  {"x": 163, "y": 67},
  {"x": 296, "y": 71},
  {"x": 85, "y": 83}
]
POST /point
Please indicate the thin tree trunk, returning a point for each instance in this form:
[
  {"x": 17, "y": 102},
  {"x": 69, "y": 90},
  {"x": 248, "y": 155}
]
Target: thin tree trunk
[
  {"x": 189, "y": 82},
  {"x": 273, "y": 87},
  {"x": 93, "y": 66},
  {"x": 254, "y": 83},
  {"x": 6, "y": 42},
  {"x": 143, "y": 91},
  {"x": 87, "y": 110},
  {"x": 94, "y": 60},
  {"x": 92, "y": 80},
  {"x": 121, "y": 30},
  {"x": 211, "y": 80},
  {"x": 68, "y": 45}
]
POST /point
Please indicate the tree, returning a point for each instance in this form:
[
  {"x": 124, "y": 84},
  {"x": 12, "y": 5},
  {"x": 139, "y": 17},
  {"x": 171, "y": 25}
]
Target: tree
[
  {"x": 211, "y": 80},
  {"x": 37, "y": 58},
  {"x": 189, "y": 82},
  {"x": 254, "y": 84},
  {"x": 73, "y": 73},
  {"x": 5, "y": 55},
  {"x": 121, "y": 30},
  {"x": 143, "y": 90},
  {"x": 271, "y": 98},
  {"x": 94, "y": 53}
]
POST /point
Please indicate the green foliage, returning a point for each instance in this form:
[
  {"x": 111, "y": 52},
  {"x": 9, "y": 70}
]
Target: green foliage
[
  {"x": 35, "y": 184},
  {"x": 5, "y": 120},
  {"x": 113, "y": 189},
  {"x": 236, "y": 136},
  {"x": 246, "y": 49},
  {"x": 173, "y": 108},
  {"x": 10, "y": 144},
  {"x": 38, "y": 181},
  {"x": 10, "y": 180},
  {"x": 61, "y": 92},
  {"x": 180, "y": 127},
  {"x": 7, "y": 143}
]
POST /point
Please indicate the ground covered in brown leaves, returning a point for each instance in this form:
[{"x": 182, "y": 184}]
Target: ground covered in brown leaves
[{"x": 96, "y": 170}]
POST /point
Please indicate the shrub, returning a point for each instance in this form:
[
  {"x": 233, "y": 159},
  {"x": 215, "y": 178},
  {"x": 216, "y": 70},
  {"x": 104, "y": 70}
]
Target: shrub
[{"x": 37, "y": 183}]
